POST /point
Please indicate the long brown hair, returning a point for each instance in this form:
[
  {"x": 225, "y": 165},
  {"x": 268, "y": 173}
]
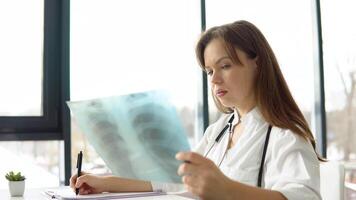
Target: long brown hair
[{"x": 273, "y": 97}]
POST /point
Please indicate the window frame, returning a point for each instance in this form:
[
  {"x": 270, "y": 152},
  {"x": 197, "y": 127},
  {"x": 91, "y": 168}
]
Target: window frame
[
  {"x": 49, "y": 126},
  {"x": 55, "y": 122}
]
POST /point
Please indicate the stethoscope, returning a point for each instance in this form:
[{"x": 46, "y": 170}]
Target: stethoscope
[{"x": 222, "y": 133}]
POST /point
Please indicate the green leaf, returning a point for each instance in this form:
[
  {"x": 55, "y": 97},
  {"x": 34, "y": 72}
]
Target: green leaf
[{"x": 11, "y": 176}]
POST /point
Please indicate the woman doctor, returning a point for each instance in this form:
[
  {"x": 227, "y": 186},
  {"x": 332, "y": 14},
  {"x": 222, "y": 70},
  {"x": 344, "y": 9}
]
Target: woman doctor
[{"x": 261, "y": 149}]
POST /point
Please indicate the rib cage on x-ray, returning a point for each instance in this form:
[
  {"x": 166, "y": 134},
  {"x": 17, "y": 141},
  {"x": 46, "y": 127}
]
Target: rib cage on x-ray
[
  {"x": 137, "y": 135},
  {"x": 155, "y": 132},
  {"x": 108, "y": 130}
]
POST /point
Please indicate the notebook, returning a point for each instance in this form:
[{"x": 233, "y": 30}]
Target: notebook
[{"x": 66, "y": 193}]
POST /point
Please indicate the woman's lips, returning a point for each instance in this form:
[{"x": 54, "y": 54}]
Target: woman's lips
[{"x": 221, "y": 93}]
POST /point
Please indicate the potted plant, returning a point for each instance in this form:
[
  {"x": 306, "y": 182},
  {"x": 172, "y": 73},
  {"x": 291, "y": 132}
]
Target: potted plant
[{"x": 16, "y": 183}]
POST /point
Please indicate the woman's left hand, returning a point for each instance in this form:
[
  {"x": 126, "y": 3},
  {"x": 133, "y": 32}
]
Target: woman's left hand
[{"x": 202, "y": 177}]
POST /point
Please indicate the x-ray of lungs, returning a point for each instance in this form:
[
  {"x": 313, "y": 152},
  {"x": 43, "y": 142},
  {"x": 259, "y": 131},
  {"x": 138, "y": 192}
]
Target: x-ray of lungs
[{"x": 137, "y": 135}]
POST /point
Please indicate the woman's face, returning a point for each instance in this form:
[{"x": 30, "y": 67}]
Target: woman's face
[{"x": 232, "y": 84}]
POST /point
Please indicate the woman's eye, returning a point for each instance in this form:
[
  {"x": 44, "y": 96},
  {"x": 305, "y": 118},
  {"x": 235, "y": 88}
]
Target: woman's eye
[
  {"x": 225, "y": 66},
  {"x": 209, "y": 72}
]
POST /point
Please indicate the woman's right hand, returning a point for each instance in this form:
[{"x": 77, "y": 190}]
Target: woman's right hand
[{"x": 88, "y": 183}]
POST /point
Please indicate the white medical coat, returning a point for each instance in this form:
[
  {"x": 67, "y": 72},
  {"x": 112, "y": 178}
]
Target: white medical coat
[{"x": 291, "y": 165}]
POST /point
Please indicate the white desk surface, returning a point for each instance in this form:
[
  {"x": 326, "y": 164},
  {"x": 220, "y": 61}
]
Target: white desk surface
[{"x": 36, "y": 194}]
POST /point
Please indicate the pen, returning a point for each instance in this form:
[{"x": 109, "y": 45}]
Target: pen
[{"x": 79, "y": 167}]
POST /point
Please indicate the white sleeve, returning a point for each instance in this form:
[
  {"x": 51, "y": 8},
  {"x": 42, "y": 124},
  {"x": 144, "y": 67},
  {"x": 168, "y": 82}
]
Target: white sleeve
[{"x": 293, "y": 167}]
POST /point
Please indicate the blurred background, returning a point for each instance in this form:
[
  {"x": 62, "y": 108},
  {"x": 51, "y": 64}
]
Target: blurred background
[{"x": 120, "y": 47}]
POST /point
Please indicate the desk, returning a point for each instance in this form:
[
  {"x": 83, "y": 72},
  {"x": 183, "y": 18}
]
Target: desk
[
  {"x": 36, "y": 194},
  {"x": 350, "y": 191}
]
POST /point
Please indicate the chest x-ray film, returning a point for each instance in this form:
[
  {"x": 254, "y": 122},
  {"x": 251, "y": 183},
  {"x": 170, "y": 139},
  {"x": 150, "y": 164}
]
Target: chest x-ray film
[{"x": 137, "y": 135}]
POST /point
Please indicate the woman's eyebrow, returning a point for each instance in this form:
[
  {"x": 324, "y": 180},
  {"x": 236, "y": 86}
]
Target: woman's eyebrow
[
  {"x": 222, "y": 58},
  {"x": 218, "y": 61}
]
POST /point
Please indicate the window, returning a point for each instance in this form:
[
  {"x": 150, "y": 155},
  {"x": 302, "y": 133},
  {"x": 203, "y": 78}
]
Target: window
[
  {"x": 120, "y": 47},
  {"x": 31, "y": 107},
  {"x": 339, "y": 46},
  {"x": 21, "y": 36}
]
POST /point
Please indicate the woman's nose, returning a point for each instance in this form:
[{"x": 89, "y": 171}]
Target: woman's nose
[{"x": 216, "y": 78}]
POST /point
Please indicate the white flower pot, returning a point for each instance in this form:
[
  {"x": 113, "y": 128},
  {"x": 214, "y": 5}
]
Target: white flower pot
[{"x": 17, "y": 188}]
